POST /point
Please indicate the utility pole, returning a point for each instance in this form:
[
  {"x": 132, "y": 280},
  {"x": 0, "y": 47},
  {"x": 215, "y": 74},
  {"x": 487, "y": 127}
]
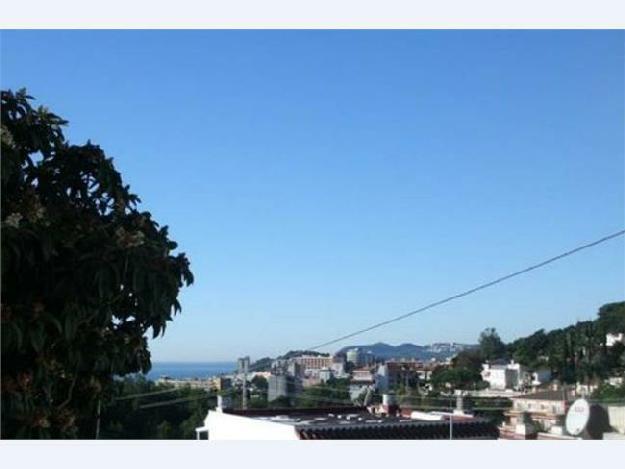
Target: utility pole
[
  {"x": 451, "y": 421},
  {"x": 97, "y": 423},
  {"x": 244, "y": 364}
]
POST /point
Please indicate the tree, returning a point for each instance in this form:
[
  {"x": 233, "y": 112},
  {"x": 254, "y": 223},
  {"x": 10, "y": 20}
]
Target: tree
[
  {"x": 259, "y": 383},
  {"x": 330, "y": 394},
  {"x": 280, "y": 402},
  {"x": 86, "y": 277},
  {"x": 612, "y": 317},
  {"x": 609, "y": 392},
  {"x": 470, "y": 359},
  {"x": 491, "y": 345},
  {"x": 454, "y": 378},
  {"x": 262, "y": 364},
  {"x": 258, "y": 402},
  {"x": 164, "y": 430},
  {"x": 125, "y": 417},
  {"x": 528, "y": 350}
]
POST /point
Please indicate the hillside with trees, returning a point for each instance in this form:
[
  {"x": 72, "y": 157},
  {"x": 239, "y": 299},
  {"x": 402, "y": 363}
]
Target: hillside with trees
[{"x": 577, "y": 353}]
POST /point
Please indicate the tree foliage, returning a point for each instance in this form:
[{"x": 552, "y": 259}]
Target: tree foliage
[
  {"x": 86, "y": 276},
  {"x": 528, "y": 350},
  {"x": 612, "y": 318},
  {"x": 262, "y": 364},
  {"x": 455, "y": 378},
  {"x": 577, "y": 353},
  {"x": 464, "y": 372},
  {"x": 471, "y": 359},
  {"x": 491, "y": 345},
  {"x": 259, "y": 383},
  {"x": 608, "y": 392},
  {"x": 332, "y": 394},
  {"x": 124, "y": 418}
]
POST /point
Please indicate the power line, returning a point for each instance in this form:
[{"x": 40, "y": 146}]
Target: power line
[
  {"x": 175, "y": 401},
  {"x": 235, "y": 391},
  {"x": 419, "y": 402},
  {"x": 186, "y": 399},
  {"x": 472, "y": 290},
  {"x": 155, "y": 393}
]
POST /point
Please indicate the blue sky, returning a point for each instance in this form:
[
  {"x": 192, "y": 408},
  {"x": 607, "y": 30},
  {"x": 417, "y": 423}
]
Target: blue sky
[{"x": 320, "y": 181}]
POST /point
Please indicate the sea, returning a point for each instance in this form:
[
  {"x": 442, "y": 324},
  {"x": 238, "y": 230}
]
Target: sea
[{"x": 180, "y": 370}]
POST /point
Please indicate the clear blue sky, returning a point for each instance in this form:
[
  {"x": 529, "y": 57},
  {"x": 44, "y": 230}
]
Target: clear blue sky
[{"x": 323, "y": 180}]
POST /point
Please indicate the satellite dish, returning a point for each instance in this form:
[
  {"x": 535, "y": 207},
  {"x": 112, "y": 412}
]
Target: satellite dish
[{"x": 577, "y": 417}]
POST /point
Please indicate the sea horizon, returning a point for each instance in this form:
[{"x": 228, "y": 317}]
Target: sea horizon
[{"x": 190, "y": 369}]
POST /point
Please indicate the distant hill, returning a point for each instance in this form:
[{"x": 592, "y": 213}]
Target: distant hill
[
  {"x": 262, "y": 364},
  {"x": 439, "y": 351},
  {"x": 299, "y": 353}
]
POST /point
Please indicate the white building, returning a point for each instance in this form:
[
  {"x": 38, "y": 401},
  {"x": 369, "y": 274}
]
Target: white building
[
  {"x": 616, "y": 415},
  {"x": 325, "y": 375},
  {"x": 502, "y": 376},
  {"x": 345, "y": 423},
  {"x": 612, "y": 339},
  {"x": 382, "y": 378},
  {"x": 313, "y": 362},
  {"x": 355, "y": 357}
]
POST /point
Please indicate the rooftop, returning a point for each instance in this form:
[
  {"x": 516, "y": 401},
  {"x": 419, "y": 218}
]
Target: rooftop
[{"x": 354, "y": 423}]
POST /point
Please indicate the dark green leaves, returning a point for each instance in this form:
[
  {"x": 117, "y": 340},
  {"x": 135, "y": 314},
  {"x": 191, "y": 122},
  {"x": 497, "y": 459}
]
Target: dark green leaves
[
  {"x": 85, "y": 275},
  {"x": 36, "y": 335}
]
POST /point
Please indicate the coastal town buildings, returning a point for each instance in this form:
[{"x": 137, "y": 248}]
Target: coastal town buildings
[
  {"x": 220, "y": 383},
  {"x": 538, "y": 410},
  {"x": 192, "y": 383},
  {"x": 308, "y": 362}
]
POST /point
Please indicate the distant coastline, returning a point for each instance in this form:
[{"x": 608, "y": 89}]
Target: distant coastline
[{"x": 181, "y": 370}]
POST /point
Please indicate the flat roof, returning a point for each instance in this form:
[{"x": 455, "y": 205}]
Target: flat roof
[{"x": 358, "y": 423}]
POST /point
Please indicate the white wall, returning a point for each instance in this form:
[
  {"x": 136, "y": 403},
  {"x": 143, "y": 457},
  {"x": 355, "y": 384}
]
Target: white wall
[
  {"x": 496, "y": 377},
  {"x": 223, "y": 426},
  {"x": 616, "y": 414}
]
